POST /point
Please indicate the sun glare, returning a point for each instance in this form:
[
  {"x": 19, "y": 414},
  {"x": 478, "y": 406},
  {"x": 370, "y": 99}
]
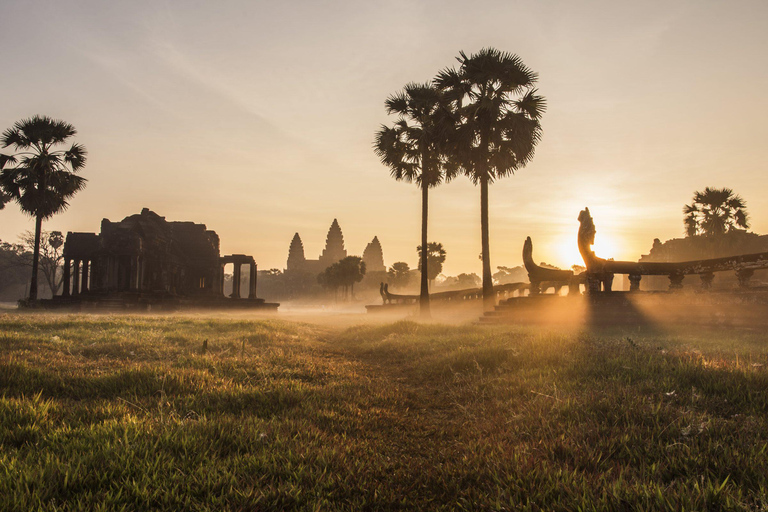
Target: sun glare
[{"x": 569, "y": 251}]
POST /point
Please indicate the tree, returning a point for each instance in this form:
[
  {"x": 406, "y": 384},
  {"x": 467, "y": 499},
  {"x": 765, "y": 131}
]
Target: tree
[
  {"x": 435, "y": 259},
  {"x": 413, "y": 149},
  {"x": 497, "y": 111},
  {"x": 38, "y": 176},
  {"x": 13, "y": 274},
  {"x": 399, "y": 274},
  {"x": 329, "y": 278},
  {"x": 344, "y": 273},
  {"x": 714, "y": 212},
  {"x": 351, "y": 271},
  {"x": 51, "y": 255},
  {"x": 507, "y": 275}
]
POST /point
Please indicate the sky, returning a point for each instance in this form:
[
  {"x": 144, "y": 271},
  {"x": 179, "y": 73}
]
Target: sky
[{"x": 258, "y": 118}]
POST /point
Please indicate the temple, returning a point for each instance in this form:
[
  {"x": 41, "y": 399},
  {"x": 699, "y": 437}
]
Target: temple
[
  {"x": 334, "y": 251},
  {"x": 373, "y": 257},
  {"x": 147, "y": 260}
]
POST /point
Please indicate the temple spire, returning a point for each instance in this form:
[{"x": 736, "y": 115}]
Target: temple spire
[
  {"x": 373, "y": 256},
  {"x": 334, "y": 245},
  {"x": 296, "y": 253}
]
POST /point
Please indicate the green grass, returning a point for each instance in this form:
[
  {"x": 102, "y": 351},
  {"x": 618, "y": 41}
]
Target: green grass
[{"x": 126, "y": 413}]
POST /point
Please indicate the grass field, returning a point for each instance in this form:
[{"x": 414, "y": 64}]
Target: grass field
[{"x": 128, "y": 413}]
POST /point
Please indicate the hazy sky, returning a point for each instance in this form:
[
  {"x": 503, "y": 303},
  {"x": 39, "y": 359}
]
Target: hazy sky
[{"x": 257, "y": 118}]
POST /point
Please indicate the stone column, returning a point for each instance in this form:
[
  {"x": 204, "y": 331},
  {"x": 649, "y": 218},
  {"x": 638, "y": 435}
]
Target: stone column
[
  {"x": 142, "y": 271},
  {"x": 136, "y": 268},
  {"x": 76, "y": 280},
  {"x": 252, "y": 282},
  {"x": 744, "y": 275},
  {"x": 84, "y": 281},
  {"x": 66, "y": 283},
  {"x": 236, "y": 281},
  {"x": 221, "y": 280},
  {"x": 634, "y": 282},
  {"x": 676, "y": 281}
]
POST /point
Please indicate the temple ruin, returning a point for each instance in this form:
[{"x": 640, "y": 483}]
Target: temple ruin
[
  {"x": 373, "y": 257},
  {"x": 334, "y": 251},
  {"x": 145, "y": 260}
]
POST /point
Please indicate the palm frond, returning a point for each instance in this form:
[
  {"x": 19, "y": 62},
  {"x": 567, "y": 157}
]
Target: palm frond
[{"x": 76, "y": 156}]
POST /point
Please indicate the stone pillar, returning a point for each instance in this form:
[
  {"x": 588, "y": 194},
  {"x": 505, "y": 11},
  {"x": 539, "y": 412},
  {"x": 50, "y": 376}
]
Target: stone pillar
[
  {"x": 593, "y": 283},
  {"x": 76, "y": 279},
  {"x": 676, "y": 281},
  {"x": 706, "y": 280},
  {"x": 634, "y": 282},
  {"x": 66, "y": 283},
  {"x": 84, "y": 279},
  {"x": 136, "y": 271},
  {"x": 221, "y": 279},
  {"x": 607, "y": 279},
  {"x": 142, "y": 272},
  {"x": 744, "y": 275},
  {"x": 252, "y": 282},
  {"x": 236, "y": 281}
]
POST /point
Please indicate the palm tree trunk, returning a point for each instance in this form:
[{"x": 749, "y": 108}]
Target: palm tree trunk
[
  {"x": 489, "y": 301},
  {"x": 35, "y": 258},
  {"x": 424, "y": 296}
]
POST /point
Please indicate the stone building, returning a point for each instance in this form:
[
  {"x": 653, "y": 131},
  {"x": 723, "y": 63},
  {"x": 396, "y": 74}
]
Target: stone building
[
  {"x": 334, "y": 251},
  {"x": 145, "y": 258}
]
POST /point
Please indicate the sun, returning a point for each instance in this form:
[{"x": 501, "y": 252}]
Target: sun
[{"x": 568, "y": 250}]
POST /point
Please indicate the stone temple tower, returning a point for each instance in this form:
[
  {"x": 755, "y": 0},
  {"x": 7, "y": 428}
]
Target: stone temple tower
[
  {"x": 373, "y": 257},
  {"x": 334, "y": 246},
  {"x": 296, "y": 259}
]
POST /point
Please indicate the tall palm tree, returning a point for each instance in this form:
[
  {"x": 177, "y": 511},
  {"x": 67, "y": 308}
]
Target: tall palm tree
[
  {"x": 498, "y": 110},
  {"x": 715, "y": 211},
  {"x": 413, "y": 150},
  {"x": 39, "y": 176}
]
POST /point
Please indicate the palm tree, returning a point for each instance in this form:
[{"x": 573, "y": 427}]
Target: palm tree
[
  {"x": 715, "y": 211},
  {"x": 399, "y": 274},
  {"x": 497, "y": 110},
  {"x": 38, "y": 176},
  {"x": 435, "y": 259},
  {"x": 413, "y": 150}
]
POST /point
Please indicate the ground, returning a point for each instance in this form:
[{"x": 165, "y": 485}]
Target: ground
[{"x": 130, "y": 413}]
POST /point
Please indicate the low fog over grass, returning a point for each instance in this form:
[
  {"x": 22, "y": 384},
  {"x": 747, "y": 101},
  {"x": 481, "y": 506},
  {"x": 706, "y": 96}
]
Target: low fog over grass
[{"x": 129, "y": 412}]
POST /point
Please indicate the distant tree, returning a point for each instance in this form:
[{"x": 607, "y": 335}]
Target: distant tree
[
  {"x": 351, "y": 271},
  {"x": 14, "y": 262},
  {"x": 271, "y": 284},
  {"x": 468, "y": 281},
  {"x": 413, "y": 150},
  {"x": 39, "y": 177},
  {"x": 330, "y": 279},
  {"x": 579, "y": 269},
  {"x": 714, "y": 212},
  {"x": 497, "y": 110},
  {"x": 343, "y": 274},
  {"x": 51, "y": 255},
  {"x": 399, "y": 274},
  {"x": 435, "y": 259},
  {"x": 507, "y": 275}
]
